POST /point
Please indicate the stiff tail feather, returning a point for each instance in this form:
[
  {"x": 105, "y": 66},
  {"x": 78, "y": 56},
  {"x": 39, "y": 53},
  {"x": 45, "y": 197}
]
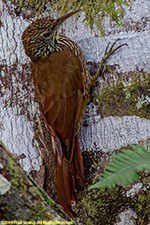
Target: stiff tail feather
[{"x": 70, "y": 179}]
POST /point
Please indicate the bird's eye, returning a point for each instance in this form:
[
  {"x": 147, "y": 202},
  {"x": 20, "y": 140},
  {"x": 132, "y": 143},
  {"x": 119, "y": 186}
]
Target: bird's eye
[{"x": 46, "y": 34}]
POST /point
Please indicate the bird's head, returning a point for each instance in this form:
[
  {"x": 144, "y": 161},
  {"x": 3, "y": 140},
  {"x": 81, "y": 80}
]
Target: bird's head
[{"x": 39, "y": 38}]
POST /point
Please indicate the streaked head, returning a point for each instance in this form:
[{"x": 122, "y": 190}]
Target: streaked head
[{"x": 39, "y": 38}]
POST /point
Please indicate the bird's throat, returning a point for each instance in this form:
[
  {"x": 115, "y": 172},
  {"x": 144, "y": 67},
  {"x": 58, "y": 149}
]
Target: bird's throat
[{"x": 46, "y": 49}]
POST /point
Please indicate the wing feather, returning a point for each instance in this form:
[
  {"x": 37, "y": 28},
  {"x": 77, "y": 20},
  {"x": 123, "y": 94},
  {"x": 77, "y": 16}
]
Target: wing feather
[{"x": 60, "y": 88}]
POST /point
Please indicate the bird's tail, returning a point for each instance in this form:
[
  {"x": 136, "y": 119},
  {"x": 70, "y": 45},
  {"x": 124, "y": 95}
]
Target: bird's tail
[{"x": 70, "y": 179}]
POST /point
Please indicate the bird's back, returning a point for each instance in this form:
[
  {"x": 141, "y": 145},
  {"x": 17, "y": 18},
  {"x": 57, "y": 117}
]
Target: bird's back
[
  {"x": 60, "y": 74},
  {"x": 59, "y": 82}
]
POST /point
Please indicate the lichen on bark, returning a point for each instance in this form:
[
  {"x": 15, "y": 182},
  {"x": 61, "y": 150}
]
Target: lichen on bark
[
  {"x": 123, "y": 94},
  {"x": 25, "y": 200}
]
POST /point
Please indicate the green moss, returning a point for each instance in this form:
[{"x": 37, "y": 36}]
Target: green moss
[
  {"x": 25, "y": 199},
  {"x": 19, "y": 182},
  {"x": 13, "y": 173},
  {"x": 40, "y": 192},
  {"x": 38, "y": 211},
  {"x": 39, "y": 5},
  {"x": 99, "y": 206},
  {"x": 102, "y": 206},
  {"x": 124, "y": 97},
  {"x": 94, "y": 10},
  {"x": 141, "y": 205}
]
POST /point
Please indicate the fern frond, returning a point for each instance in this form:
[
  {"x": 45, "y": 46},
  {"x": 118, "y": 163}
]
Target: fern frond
[{"x": 124, "y": 167}]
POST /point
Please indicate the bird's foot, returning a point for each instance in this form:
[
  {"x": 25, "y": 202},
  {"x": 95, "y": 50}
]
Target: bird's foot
[
  {"x": 103, "y": 66},
  {"x": 108, "y": 52}
]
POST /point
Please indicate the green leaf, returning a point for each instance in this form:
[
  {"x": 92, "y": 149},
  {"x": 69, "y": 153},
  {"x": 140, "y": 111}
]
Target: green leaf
[{"x": 124, "y": 167}]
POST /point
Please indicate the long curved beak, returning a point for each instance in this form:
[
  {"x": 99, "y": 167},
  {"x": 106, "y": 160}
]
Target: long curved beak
[{"x": 61, "y": 19}]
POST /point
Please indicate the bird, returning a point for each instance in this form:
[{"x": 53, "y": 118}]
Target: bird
[{"x": 62, "y": 85}]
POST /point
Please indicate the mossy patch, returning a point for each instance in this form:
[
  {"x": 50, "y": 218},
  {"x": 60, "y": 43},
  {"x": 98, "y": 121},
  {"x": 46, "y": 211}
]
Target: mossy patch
[
  {"x": 102, "y": 206},
  {"x": 140, "y": 203},
  {"x": 25, "y": 199},
  {"x": 127, "y": 95},
  {"x": 99, "y": 206},
  {"x": 95, "y": 11},
  {"x": 12, "y": 169}
]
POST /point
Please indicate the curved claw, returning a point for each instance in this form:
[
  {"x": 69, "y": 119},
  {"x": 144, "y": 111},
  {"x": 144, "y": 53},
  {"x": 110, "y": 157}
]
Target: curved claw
[
  {"x": 107, "y": 48},
  {"x": 107, "y": 54},
  {"x": 114, "y": 44}
]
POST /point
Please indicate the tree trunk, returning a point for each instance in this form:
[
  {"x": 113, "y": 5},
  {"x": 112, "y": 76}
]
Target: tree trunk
[
  {"x": 21, "y": 199},
  {"x": 22, "y": 127},
  {"x": 119, "y": 115}
]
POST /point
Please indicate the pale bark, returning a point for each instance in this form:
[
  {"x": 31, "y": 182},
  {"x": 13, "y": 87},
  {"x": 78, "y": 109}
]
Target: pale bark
[
  {"x": 22, "y": 129},
  {"x": 134, "y": 57}
]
